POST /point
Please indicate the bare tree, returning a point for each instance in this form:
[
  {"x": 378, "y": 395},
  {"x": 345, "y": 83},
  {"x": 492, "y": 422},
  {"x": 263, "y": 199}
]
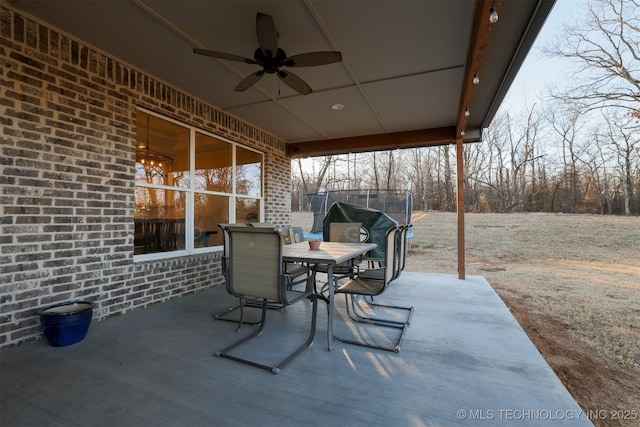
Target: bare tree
[
  {"x": 605, "y": 48},
  {"x": 622, "y": 134},
  {"x": 448, "y": 179},
  {"x": 376, "y": 175},
  {"x": 419, "y": 176},
  {"x": 486, "y": 175},
  {"x": 597, "y": 162},
  {"x": 566, "y": 123},
  {"x": 313, "y": 181},
  {"x": 309, "y": 179}
]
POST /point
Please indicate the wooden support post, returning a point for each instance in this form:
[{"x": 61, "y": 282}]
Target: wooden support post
[{"x": 460, "y": 206}]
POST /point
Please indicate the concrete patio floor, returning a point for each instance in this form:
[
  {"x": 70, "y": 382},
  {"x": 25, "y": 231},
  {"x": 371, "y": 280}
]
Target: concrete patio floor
[{"x": 464, "y": 361}]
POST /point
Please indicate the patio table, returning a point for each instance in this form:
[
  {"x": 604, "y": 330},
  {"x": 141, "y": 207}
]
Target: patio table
[{"x": 330, "y": 253}]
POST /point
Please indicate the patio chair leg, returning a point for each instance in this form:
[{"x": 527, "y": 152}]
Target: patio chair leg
[
  {"x": 224, "y": 353},
  {"x": 395, "y": 347},
  {"x": 307, "y": 343},
  {"x": 364, "y": 318},
  {"x": 221, "y": 315},
  {"x": 254, "y": 334}
]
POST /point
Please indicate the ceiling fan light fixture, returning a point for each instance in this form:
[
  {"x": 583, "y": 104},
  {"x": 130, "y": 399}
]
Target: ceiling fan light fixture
[{"x": 493, "y": 15}]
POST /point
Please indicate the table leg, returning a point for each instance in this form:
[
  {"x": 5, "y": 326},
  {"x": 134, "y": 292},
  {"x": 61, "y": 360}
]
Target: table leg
[{"x": 330, "y": 313}]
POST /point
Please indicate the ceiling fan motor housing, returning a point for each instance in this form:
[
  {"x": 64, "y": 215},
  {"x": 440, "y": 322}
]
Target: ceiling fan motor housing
[{"x": 268, "y": 62}]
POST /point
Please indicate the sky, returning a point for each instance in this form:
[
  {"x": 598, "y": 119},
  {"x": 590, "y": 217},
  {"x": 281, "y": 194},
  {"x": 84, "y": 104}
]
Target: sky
[{"x": 538, "y": 71}]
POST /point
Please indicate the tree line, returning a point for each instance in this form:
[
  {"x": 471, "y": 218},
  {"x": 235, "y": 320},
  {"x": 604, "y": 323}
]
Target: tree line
[{"x": 577, "y": 150}]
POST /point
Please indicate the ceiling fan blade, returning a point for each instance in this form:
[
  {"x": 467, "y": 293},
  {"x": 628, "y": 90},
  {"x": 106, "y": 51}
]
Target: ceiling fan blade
[
  {"x": 294, "y": 82},
  {"x": 223, "y": 55},
  {"x": 267, "y": 34},
  {"x": 312, "y": 59},
  {"x": 249, "y": 81}
]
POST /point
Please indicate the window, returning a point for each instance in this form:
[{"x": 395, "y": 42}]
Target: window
[{"x": 187, "y": 182}]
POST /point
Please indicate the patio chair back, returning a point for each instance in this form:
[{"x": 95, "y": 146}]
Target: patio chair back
[
  {"x": 400, "y": 250},
  {"x": 346, "y": 232},
  {"x": 226, "y": 249},
  {"x": 390, "y": 258},
  {"x": 255, "y": 263},
  {"x": 405, "y": 243}
]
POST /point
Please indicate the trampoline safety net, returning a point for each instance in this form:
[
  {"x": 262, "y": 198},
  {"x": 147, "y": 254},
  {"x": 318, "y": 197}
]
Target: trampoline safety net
[{"x": 395, "y": 203}]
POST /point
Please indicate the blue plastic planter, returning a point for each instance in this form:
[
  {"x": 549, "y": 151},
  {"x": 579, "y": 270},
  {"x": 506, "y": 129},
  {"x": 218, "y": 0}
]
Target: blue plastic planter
[{"x": 67, "y": 323}]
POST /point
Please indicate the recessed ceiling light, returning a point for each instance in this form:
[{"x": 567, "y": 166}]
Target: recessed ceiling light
[{"x": 337, "y": 107}]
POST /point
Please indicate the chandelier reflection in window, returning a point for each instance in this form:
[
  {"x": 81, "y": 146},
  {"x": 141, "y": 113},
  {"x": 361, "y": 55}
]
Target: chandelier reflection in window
[{"x": 155, "y": 164}]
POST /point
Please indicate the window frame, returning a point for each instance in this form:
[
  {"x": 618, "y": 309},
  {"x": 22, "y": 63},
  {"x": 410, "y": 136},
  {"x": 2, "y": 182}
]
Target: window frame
[{"x": 191, "y": 191}]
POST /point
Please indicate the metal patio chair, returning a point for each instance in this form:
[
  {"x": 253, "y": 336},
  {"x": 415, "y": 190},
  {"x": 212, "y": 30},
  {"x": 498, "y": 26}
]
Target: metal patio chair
[
  {"x": 346, "y": 232},
  {"x": 255, "y": 276},
  {"x": 399, "y": 261},
  {"x": 369, "y": 284}
]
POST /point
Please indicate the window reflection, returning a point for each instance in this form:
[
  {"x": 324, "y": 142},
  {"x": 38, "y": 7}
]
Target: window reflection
[
  {"x": 213, "y": 164},
  {"x": 159, "y": 220},
  {"x": 178, "y": 194},
  {"x": 209, "y": 212},
  {"x": 247, "y": 210},
  {"x": 248, "y": 172},
  {"x": 162, "y": 152}
]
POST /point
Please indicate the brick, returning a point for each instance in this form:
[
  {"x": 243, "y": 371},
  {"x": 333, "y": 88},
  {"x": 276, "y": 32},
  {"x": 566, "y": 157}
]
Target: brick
[
  {"x": 27, "y": 80},
  {"x": 69, "y": 139}
]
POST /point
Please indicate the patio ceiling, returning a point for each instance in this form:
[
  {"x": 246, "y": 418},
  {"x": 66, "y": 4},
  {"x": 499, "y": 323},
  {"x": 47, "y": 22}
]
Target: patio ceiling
[{"x": 405, "y": 79}]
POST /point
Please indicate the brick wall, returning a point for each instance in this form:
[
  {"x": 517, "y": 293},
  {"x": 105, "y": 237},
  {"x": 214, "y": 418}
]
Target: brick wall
[{"x": 67, "y": 120}]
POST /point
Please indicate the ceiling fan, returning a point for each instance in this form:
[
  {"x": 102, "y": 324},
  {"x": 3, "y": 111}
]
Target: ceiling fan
[{"x": 271, "y": 58}]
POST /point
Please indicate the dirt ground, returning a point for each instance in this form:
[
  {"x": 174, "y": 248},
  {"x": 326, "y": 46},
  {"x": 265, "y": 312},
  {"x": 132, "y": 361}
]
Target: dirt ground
[{"x": 573, "y": 283}]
